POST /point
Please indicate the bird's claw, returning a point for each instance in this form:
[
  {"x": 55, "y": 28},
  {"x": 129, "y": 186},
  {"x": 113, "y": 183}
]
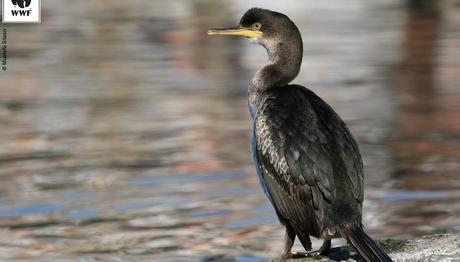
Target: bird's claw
[{"x": 315, "y": 254}]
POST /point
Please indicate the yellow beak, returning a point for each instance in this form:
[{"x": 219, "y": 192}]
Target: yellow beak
[{"x": 239, "y": 31}]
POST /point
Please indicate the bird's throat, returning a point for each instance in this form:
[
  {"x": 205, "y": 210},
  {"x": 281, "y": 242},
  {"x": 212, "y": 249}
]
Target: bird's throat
[{"x": 284, "y": 65}]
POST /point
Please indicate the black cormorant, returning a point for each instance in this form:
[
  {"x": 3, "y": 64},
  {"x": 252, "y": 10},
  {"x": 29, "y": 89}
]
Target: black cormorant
[{"x": 307, "y": 161}]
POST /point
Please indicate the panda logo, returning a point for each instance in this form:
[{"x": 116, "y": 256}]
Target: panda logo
[{"x": 21, "y": 3}]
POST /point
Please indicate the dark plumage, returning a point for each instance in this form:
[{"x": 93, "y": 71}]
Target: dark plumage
[{"x": 306, "y": 158}]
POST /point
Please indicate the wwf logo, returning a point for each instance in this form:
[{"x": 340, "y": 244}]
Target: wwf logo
[
  {"x": 21, "y": 3},
  {"x": 21, "y": 11}
]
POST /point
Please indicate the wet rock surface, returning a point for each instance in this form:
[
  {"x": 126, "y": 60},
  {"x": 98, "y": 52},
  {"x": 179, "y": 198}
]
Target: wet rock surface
[{"x": 445, "y": 248}]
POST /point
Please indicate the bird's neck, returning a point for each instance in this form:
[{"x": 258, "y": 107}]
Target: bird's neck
[{"x": 284, "y": 65}]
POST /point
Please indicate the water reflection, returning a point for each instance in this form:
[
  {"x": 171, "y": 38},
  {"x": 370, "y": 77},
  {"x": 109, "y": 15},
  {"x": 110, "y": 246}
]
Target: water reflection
[
  {"x": 124, "y": 129},
  {"x": 425, "y": 143}
]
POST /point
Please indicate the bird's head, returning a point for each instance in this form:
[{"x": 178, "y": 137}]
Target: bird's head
[
  {"x": 262, "y": 26},
  {"x": 280, "y": 37}
]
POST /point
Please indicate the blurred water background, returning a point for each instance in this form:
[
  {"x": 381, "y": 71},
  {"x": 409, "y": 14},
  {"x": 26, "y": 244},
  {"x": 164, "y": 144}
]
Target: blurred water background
[{"x": 124, "y": 128}]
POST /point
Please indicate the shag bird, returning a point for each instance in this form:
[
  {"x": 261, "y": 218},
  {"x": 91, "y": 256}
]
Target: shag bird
[{"x": 307, "y": 161}]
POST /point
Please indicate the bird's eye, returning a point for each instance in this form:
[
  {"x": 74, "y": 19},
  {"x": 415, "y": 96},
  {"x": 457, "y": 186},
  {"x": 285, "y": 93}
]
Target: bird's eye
[{"x": 257, "y": 25}]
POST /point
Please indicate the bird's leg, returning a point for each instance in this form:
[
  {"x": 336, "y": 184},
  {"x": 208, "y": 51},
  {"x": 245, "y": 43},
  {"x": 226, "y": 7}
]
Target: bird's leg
[
  {"x": 323, "y": 250},
  {"x": 325, "y": 247},
  {"x": 289, "y": 238}
]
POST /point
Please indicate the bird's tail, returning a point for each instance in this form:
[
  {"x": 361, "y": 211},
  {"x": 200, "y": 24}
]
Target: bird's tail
[{"x": 364, "y": 245}]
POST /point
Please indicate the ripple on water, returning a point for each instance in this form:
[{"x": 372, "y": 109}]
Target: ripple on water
[
  {"x": 30, "y": 210},
  {"x": 189, "y": 178},
  {"x": 231, "y": 191},
  {"x": 254, "y": 221},
  {"x": 83, "y": 213},
  {"x": 210, "y": 213},
  {"x": 169, "y": 202},
  {"x": 418, "y": 195},
  {"x": 262, "y": 208}
]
